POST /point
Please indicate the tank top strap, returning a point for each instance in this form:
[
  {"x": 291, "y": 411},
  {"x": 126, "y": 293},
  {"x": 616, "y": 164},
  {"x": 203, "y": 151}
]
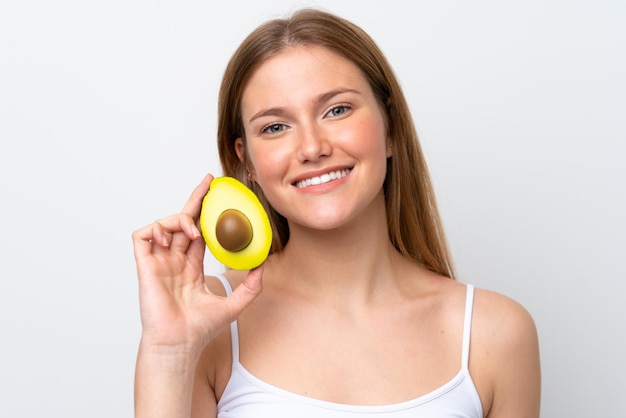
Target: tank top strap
[
  {"x": 234, "y": 331},
  {"x": 467, "y": 325}
]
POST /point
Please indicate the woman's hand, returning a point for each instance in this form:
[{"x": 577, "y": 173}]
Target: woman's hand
[{"x": 178, "y": 312}]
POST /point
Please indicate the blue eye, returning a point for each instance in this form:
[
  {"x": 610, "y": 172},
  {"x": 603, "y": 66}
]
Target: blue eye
[
  {"x": 274, "y": 128},
  {"x": 338, "y": 111}
]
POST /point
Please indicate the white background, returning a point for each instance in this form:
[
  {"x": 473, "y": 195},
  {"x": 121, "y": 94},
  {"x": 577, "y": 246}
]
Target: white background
[{"x": 107, "y": 122}]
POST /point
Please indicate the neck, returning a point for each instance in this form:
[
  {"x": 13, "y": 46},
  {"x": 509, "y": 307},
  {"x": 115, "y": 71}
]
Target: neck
[{"x": 353, "y": 262}]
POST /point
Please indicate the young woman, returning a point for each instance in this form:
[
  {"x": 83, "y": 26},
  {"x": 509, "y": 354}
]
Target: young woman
[{"x": 356, "y": 312}]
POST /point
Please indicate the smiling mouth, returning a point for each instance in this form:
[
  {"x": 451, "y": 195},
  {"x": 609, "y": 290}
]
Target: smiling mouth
[{"x": 324, "y": 178}]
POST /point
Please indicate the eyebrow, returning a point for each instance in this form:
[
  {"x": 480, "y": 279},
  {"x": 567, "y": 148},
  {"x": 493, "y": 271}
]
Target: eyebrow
[{"x": 324, "y": 97}]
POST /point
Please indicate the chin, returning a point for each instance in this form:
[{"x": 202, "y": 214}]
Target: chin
[{"x": 331, "y": 223}]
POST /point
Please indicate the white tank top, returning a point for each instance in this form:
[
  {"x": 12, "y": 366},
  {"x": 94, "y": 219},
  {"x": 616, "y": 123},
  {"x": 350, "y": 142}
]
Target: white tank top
[{"x": 246, "y": 396}]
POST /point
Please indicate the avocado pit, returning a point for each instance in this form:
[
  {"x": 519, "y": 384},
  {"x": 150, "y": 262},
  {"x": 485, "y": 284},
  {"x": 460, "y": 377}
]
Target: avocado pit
[{"x": 233, "y": 230}]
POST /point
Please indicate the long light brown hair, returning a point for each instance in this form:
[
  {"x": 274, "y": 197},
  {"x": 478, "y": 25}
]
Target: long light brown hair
[{"x": 413, "y": 220}]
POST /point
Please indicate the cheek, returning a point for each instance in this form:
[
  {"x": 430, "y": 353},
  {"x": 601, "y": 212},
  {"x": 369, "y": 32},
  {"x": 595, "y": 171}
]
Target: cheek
[
  {"x": 369, "y": 139},
  {"x": 269, "y": 160}
]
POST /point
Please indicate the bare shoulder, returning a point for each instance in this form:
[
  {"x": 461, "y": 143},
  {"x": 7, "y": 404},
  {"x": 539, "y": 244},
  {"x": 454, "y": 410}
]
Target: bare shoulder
[
  {"x": 500, "y": 316},
  {"x": 504, "y": 356}
]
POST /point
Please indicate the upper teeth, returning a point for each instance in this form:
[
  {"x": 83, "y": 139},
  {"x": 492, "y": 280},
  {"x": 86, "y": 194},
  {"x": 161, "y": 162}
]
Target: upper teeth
[{"x": 324, "y": 178}]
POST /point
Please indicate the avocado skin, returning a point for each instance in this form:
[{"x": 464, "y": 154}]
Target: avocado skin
[{"x": 228, "y": 193}]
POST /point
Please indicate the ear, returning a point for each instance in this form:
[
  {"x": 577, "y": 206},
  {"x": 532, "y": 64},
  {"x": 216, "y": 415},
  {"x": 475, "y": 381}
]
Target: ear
[
  {"x": 240, "y": 149},
  {"x": 389, "y": 148}
]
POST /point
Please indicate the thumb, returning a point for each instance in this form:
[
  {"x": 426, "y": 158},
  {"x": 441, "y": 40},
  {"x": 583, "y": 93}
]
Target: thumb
[{"x": 246, "y": 292}]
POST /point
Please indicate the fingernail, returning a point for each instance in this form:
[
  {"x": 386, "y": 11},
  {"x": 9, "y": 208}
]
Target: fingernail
[{"x": 195, "y": 231}]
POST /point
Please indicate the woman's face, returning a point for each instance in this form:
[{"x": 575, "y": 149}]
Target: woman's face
[{"x": 315, "y": 136}]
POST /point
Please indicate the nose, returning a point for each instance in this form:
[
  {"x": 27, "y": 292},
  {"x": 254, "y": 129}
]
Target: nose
[{"x": 313, "y": 144}]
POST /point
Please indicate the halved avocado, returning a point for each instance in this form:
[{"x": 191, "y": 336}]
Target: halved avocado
[{"x": 234, "y": 225}]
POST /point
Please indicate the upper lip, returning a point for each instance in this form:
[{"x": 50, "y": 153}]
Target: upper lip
[{"x": 317, "y": 173}]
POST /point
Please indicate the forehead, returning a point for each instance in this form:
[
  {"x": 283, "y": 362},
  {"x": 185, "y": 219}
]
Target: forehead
[{"x": 299, "y": 71}]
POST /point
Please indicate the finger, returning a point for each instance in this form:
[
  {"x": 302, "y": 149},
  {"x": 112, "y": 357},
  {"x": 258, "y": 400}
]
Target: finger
[
  {"x": 246, "y": 292},
  {"x": 194, "y": 204},
  {"x": 146, "y": 238},
  {"x": 176, "y": 230},
  {"x": 197, "y": 249},
  {"x": 162, "y": 236},
  {"x": 187, "y": 232},
  {"x": 174, "y": 233},
  {"x": 142, "y": 244}
]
